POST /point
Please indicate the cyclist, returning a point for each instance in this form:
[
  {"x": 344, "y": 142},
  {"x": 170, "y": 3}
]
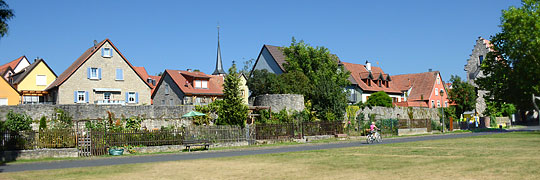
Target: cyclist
[{"x": 372, "y": 128}]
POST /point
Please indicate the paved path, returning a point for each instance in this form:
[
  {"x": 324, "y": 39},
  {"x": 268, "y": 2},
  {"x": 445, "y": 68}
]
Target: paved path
[{"x": 212, "y": 154}]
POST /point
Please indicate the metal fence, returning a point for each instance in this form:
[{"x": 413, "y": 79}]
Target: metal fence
[
  {"x": 297, "y": 130},
  {"x": 37, "y": 139}
]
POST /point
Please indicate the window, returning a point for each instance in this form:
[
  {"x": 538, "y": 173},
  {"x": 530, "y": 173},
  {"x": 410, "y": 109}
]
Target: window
[
  {"x": 119, "y": 74},
  {"x": 94, "y": 73},
  {"x": 438, "y": 103},
  {"x": 171, "y": 102},
  {"x": 131, "y": 97},
  {"x": 163, "y": 102},
  {"x": 107, "y": 96},
  {"x": 436, "y": 91},
  {"x": 438, "y": 80},
  {"x": 198, "y": 84},
  {"x": 41, "y": 80},
  {"x": 481, "y": 58},
  {"x": 433, "y": 103},
  {"x": 106, "y": 52},
  {"x": 445, "y": 103},
  {"x": 30, "y": 99},
  {"x": 204, "y": 84},
  {"x": 81, "y": 96},
  {"x": 166, "y": 88}
]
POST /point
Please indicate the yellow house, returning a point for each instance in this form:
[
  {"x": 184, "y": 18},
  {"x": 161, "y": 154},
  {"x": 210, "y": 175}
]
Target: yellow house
[
  {"x": 8, "y": 94},
  {"x": 244, "y": 90},
  {"x": 32, "y": 81}
]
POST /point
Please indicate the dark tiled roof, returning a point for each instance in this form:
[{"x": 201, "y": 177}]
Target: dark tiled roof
[
  {"x": 277, "y": 54},
  {"x": 17, "y": 78}
]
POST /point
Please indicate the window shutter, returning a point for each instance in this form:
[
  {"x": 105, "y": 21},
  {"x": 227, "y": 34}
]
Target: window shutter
[
  {"x": 86, "y": 96},
  {"x": 88, "y": 73},
  {"x": 75, "y": 96},
  {"x": 127, "y": 97},
  {"x": 99, "y": 73},
  {"x": 102, "y": 52},
  {"x": 110, "y": 52},
  {"x": 119, "y": 74},
  {"x": 137, "y": 97}
]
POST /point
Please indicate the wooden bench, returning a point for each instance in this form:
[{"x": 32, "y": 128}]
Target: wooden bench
[{"x": 198, "y": 142}]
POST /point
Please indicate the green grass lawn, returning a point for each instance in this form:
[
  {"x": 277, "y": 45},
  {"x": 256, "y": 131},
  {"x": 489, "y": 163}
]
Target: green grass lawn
[{"x": 513, "y": 155}]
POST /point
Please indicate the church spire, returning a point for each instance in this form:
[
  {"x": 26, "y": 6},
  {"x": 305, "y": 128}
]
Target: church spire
[{"x": 219, "y": 66}]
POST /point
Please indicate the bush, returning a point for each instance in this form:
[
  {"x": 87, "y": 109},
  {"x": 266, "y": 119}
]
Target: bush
[
  {"x": 62, "y": 120},
  {"x": 18, "y": 122},
  {"x": 379, "y": 99},
  {"x": 43, "y": 123},
  {"x": 436, "y": 125}
]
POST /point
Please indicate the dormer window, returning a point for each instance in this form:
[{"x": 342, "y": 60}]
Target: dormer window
[
  {"x": 106, "y": 52},
  {"x": 201, "y": 84}
]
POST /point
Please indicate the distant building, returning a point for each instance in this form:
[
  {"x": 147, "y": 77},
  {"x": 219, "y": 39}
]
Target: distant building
[
  {"x": 270, "y": 58},
  {"x": 472, "y": 68},
  {"x": 14, "y": 66},
  {"x": 8, "y": 94},
  {"x": 177, "y": 87},
  {"x": 32, "y": 80},
  {"x": 422, "y": 90},
  {"x": 102, "y": 76},
  {"x": 366, "y": 80}
]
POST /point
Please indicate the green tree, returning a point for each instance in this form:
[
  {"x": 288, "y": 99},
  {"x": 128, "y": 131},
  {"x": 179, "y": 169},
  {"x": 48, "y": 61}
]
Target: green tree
[
  {"x": 325, "y": 76},
  {"x": 462, "y": 94},
  {"x": 18, "y": 122},
  {"x": 6, "y": 14},
  {"x": 264, "y": 82},
  {"x": 248, "y": 65},
  {"x": 232, "y": 111},
  {"x": 512, "y": 69},
  {"x": 379, "y": 99}
]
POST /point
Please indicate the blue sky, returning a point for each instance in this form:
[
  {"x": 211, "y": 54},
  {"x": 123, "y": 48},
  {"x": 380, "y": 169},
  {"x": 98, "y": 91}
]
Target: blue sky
[{"x": 401, "y": 36}]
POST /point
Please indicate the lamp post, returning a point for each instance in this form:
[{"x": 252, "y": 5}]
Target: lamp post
[{"x": 442, "y": 110}]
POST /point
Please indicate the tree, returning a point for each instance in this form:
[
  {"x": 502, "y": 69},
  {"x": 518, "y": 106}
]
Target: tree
[
  {"x": 512, "y": 69},
  {"x": 462, "y": 94},
  {"x": 379, "y": 99},
  {"x": 6, "y": 14},
  {"x": 295, "y": 82},
  {"x": 248, "y": 65},
  {"x": 232, "y": 111},
  {"x": 325, "y": 76},
  {"x": 264, "y": 82}
]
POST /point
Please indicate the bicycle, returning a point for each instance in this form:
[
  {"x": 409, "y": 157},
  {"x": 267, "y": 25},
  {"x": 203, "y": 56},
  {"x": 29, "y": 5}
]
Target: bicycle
[{"x": 374, "y": 137}]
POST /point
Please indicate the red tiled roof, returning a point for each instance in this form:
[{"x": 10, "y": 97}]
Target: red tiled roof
[
  {"x": 11, "y": 64},
  {"x": 487, "y": 43},
  {"x": 422, "y": 84},
  {"x": 359, "y": 72},
  {"x": 82, "y": 59},
  {"x": 411, "y": 104},
  {"x": 184, "y": 80}
]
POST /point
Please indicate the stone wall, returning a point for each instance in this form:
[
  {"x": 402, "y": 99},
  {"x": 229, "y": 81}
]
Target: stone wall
[
  {"x": 38, "y": 154},
  {"x": 155, "y": 116},
  {"x": 291, "y": 102},
  {"x": 399, "y": 113}
]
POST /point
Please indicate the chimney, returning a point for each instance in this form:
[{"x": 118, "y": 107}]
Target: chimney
[
  {"x": 95, "y": 44},
  {"x": 368, "y": 65},
  {"x": 429, "y": 70}
]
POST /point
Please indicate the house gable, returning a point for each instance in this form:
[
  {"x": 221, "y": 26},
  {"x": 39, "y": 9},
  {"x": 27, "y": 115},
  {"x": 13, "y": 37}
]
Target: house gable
[
  {"x": 28, "y": 80},
  {"x": 267, "y": 60},
  {"x": 9, "y": 93},
  {"x": 23, "y": 63}
]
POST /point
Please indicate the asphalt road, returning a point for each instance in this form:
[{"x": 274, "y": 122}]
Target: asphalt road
[{"x": 212, "y": 154}]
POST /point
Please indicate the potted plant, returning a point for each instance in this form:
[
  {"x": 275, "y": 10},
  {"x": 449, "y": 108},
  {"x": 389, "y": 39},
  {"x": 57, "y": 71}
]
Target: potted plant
[{"x": 115, "y": 151}]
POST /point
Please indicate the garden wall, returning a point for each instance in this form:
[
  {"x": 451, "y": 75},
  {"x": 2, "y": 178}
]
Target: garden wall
[
  {"x": 38, "y": 154},
  {"x": 399, "y": 113},
  {"x": 291, "y": 102},
  {"x": 155, "y": 116}
]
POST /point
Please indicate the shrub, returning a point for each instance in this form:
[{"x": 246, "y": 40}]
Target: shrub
[
  {"x": 18, "y": 122},
  {"x": 62, "y": 120},
  {"x": 43, "y": 123},
  {"x": 379, "y": 99}
]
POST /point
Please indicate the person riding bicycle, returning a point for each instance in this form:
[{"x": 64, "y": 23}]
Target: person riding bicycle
[{"x": 373, "y": 128}]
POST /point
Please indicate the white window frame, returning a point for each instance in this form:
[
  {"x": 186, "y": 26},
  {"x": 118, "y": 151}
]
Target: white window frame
[
  {"x": 204, "y": 84},
  {"x": 107, "y": 96},
  {"x": 92, "y": 75},
  {"x": 197, "y": 84},
  {"x": 438, "y": 103},
  {"x": 107, "y": 52},
  {"x": 131, "y": 97},
  {"x": 81, "y": 97},
  {"x": 436, "y": 91},
  {"x": 41, "y": 80},
  {"x": 438, "y": 80}
]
